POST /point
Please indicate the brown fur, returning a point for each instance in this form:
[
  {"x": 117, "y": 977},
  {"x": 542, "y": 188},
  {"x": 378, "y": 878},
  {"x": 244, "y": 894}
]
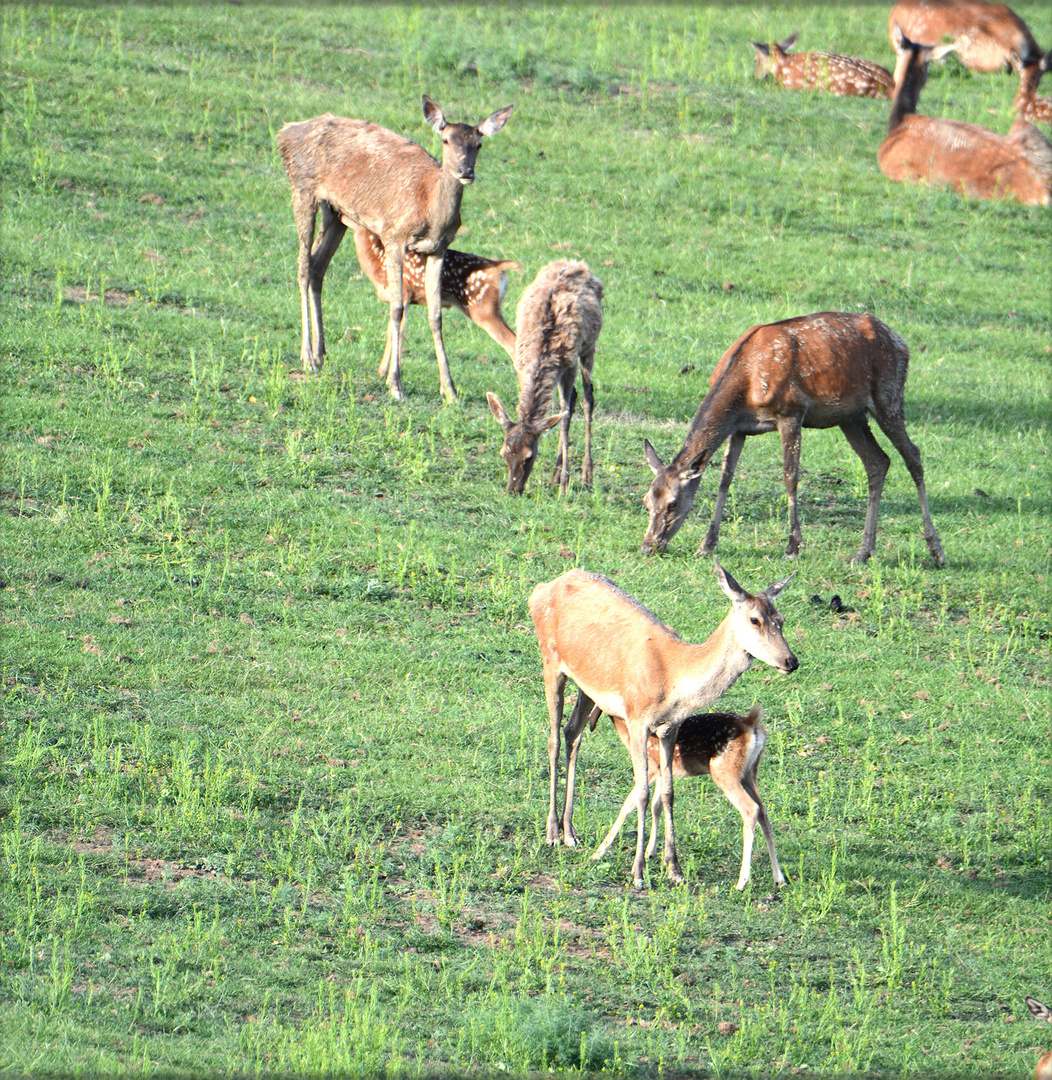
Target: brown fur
[
  {"x": 813, "y": 371},
  {"x": 557, "y": 325},
  {"x": 846, "y": 76}
]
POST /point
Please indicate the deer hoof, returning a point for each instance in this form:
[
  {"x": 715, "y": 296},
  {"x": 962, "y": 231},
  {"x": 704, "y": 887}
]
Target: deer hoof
[{"x": 860, "y": 558}]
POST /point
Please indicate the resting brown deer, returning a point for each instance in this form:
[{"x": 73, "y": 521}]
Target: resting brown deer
[
  {"x": 965, "y": 157},
  {"x": 728, "y": 747},
  {"x": 629, "y": 664},
  {"x": 822, "y": 370},
  {"x": 356, "y": 172},
  {"x": 470, "y": 284},
  {"x": 557, "y": 325},
  {"x": 846, "y": 76},
  {"x": 1044, "y": 1063}
]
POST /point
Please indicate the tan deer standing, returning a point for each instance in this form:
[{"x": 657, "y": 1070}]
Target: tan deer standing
[
  {"x": 822, "y": 370},
  {"x": 965, "y": 157},
  {"x": 1044, "y": 1063},
  {"x": 728, "y": 747},
  {"x": 470, "y": 283},
  {"x": 846, "y": 76},
  {"x": 356, "y": 172},
  {"x": 626, "y": 662},
  {"x": 1028, "y": 104},
  {"x": 557, "y": 324}
]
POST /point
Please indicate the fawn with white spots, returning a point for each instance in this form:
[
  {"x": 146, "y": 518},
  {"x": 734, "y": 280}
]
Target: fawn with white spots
[{"x": 846, "y": 76}]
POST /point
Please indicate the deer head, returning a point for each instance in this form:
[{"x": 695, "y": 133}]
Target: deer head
[
  {"x": 756, "y": 623},
  {"x": 769, "y": 58},
  {"x": 669, "y": 499},
  {"x": 520, "y": 442},
  {"x": 461, "y": 142}
]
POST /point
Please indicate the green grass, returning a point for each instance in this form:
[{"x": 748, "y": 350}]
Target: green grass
[{"x": 273, "y": 775}]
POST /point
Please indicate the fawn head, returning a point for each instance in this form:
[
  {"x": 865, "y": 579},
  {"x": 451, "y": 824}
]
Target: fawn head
[
  {"x": 669, "y": 499},
  {"x": 769, "y": 58},
  {"x": 520, "y": 443},
  {"x": 461, "y": 142},
  {"x": 757, "y": 623}
]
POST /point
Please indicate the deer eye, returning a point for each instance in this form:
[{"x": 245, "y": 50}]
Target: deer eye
[{"x": 755, "y": 621}]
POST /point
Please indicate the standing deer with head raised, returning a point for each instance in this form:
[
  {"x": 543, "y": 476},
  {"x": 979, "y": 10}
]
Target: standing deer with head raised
[
  {"x": 470, "y": 283},
  {"x": 970, "y": 159},
  {"x": 356, "y": 172},
  {"x": 813, "y": 371},
  {"x": 626, "y": 662},
  {"x": 557, "y": 325},
  {"x": 846, "y": 76}
]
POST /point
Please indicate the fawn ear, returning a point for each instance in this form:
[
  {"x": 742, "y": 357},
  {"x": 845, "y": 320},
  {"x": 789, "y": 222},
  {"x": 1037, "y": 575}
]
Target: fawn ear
[
  {"x": 651, "y": 455},
  {"x": 789, "y": 42},
  {"x": 493, "y": 123},
  {"x": 764, "y": 49},
  {"x": 498, "y": 410},
  {"x": 943, "y": 50},
  {"x": 552, "y": 421},
  {"x": 433, "y": 114}
]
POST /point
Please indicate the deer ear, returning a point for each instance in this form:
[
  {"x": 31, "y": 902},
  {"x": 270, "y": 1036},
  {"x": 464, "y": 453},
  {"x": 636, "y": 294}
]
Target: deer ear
[
  {"x": 943, "y": 50},
  {"x": 498, "y": 410},
  {"x": 897, "y": 36},
  {"x": 1046, "y": 61},
  {"x": 552, "y": 421},
  {"x": 728, "y": 584},
  {"x": 493, "y": 123},
  {"x": 651, "y": 455},
  {"x": 433, "y": 114},
  {"x": 773, "y": 590},
  {"x": 765, "y": 50},
  {"x": 789, "y": 42}
]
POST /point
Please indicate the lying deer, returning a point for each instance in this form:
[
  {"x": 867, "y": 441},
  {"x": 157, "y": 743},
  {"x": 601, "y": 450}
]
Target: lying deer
[
  {"x": 1028, "y": 104},
  {"x": 970, "y": 159},
  {"x": 1044, "y": 1063},
  {"x": 357, "y": 172},
  {"x": 846, "y": 76},
  {"x": 813, "y": 371},
  {"x": 557, "y": 325},
  {"x": 470, "y": 283},
  {"x": 628, "y": 663},
  {"x": 985, "y": 36},
  {"x": 726, "y": 746}
]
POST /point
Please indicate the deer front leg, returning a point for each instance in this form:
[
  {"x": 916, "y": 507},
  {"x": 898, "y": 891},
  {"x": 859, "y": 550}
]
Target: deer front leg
[
  {"x": 667, "y": 744},
  {"x": 641, "y": 791},
  {"x": 876, "y": 464},
  {"x": 567, "y": 394},
  {"x": 789, "y": 429},
  {"x": 554, "y": 687},
  {"x": 433, "y": 293},
  {"x": 381, "y": 371},
  {"x": 393, "y": 256},
  {"x": 730, "y": 463}
]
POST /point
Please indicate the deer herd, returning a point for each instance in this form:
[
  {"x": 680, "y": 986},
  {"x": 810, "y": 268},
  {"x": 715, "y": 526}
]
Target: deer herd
[{"x": 827, "y": 369}]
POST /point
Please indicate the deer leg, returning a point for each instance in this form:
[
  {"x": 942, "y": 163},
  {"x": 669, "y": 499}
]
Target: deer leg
[
  {"x": 433, "y": 293},
  {"x": 730, "y": 463},
  {"x": 876, "y": 463},
  {"x": 641, "y": 791},
  {"x": 789, "y": 429},
  {"x": 655, "y": 806},
  {"x": 587, "y": 406},
  {"x": 627, "y": 807},
  {"x": 748, "y": 782},
  {"x": 895, "y": 428},
  {"x": 393, "y": 257},
  {"x": 554, "y": 687},
  {"x": 572, "y": 736},
  {"x": 567, "y": 401},
  {"x": 328, "y": 240},
  {"x": 667, "y": 744},
  {"x": 305, "y": 210},
  {"x": 381, "y": 371}
]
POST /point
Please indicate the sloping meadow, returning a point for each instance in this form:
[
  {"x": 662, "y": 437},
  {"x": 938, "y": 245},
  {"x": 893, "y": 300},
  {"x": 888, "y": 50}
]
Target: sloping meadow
[{"x": 273, "y": 754}]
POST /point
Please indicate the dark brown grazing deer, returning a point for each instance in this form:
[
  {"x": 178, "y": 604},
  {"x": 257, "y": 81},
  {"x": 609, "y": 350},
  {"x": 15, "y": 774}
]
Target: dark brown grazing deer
[
  {"x": 1028, "y": 104},
  {"x": 357, "y": 172},
  {"x": 1044, "y": 1063},
  {"x": 846, "y": 76},
  {"x": 557, "y": 324},
  {"x": 822, "y": 370},
  {"x": 985, "y": 36},
  {"x": 627, "y": 663},
  {"x": 470, "y": 283},
  {"x": 965, "y": 157},
  {"x": 728, "y": 747}
]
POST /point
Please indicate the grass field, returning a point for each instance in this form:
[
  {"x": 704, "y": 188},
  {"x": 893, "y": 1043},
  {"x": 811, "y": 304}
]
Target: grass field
[{"x": 273, "y": 772}]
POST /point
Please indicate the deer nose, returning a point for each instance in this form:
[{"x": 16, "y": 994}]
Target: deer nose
[
  {"x": 791, "y": 664},
  {"x": 466, "y": 176}
]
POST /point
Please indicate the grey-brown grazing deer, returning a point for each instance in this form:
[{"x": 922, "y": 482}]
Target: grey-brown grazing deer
[
  {"x": 1044, "y": 1063},
  {"x": 628, "y": 663},
  {"x": 845, "y": 76},
  {"x": 828, "y": 369},
  {"x": 557, "y": 325},
  {"x": 965, "y": 157},
  {"x": 728, "y": 747},
  {"x": 356, "y": 172},
  {"x": 470, "y": 284}
]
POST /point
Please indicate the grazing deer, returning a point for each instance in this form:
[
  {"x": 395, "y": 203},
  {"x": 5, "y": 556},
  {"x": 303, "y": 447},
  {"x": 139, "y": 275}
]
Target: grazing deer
[
  {"x": 629, "y": 664},
  {"x": 846, "y": 76},
  {"x": 357, "y": 172},
  {"x": 1044, "y": 1063},
  {"x": 813, "y": 371},
  {"x": 470, "y": 283},
  {"x": 726, "y": 746},
  {"x": 1028, "y": 104},
  {"x": 985, "y": 36},
  {"x": 970, "y": 159},
  {"x": 557, "y": 324}
]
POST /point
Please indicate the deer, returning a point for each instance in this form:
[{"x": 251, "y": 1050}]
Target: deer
[
  {"x": 846, "y": 76},
  {"x": 357, "y": 172},
  {"x": 827, "y": 369},
  {"x": 470, "y": 283},
  {"x": 1028, "y": 104},
  {"x": 984, "y": 36},
  {"x": 1044, "y": 1063},
  {"x": 627, "y": 663},
  {"x": 726, "y": 746},
  {"x": 969, "y": 159},
  {"x": 557, "y": 324}
]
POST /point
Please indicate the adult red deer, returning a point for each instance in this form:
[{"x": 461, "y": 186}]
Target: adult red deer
[
  {"x": 355, "y": 171},
  {"x": 557, "y": 324},
  {"x": 985, "y": 36},
  {"x": 965, "y": 157},
  {"x": 728, "y": 747},
  {"x": 470, "y": 283},
  {"x": 822, "y": 370},
  {"x": 846, "y": 76},
  {"x": 629, "y": 664}
]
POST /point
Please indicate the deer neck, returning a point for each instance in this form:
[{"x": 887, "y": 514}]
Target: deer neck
[
  {"x": 910, "y": 77},
  {"x": 711, "y": 669},
  {"x": 714, "y": 421}
]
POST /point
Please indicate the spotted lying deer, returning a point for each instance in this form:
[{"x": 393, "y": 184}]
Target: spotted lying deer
[{"x": 846, "y": 76}]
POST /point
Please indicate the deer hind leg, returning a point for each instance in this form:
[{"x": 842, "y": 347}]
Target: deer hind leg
[
  {"x": 876, "y": 463},
  {"x": 305, "y": 210},
  {"x": 328, "y": 240},
  {"x": 894, "y": 426},
  {"x": 433, "y": 293},
  {"x": 725, "y": 771},
  {"x": 749, "y": 784},
  {"x": 567, "y": 401},
  {"x": 572, "y": 733},
  {"x": 667, "y": 744},
  {"x": 394, "y": 256},
  {"x": 587, "y": 406},
  {"x": 730, "y": 463},
  {"x": 789, "y": 429},
  {"x": 381, "y": 371},
  {"x": 554, "y": 688}
]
